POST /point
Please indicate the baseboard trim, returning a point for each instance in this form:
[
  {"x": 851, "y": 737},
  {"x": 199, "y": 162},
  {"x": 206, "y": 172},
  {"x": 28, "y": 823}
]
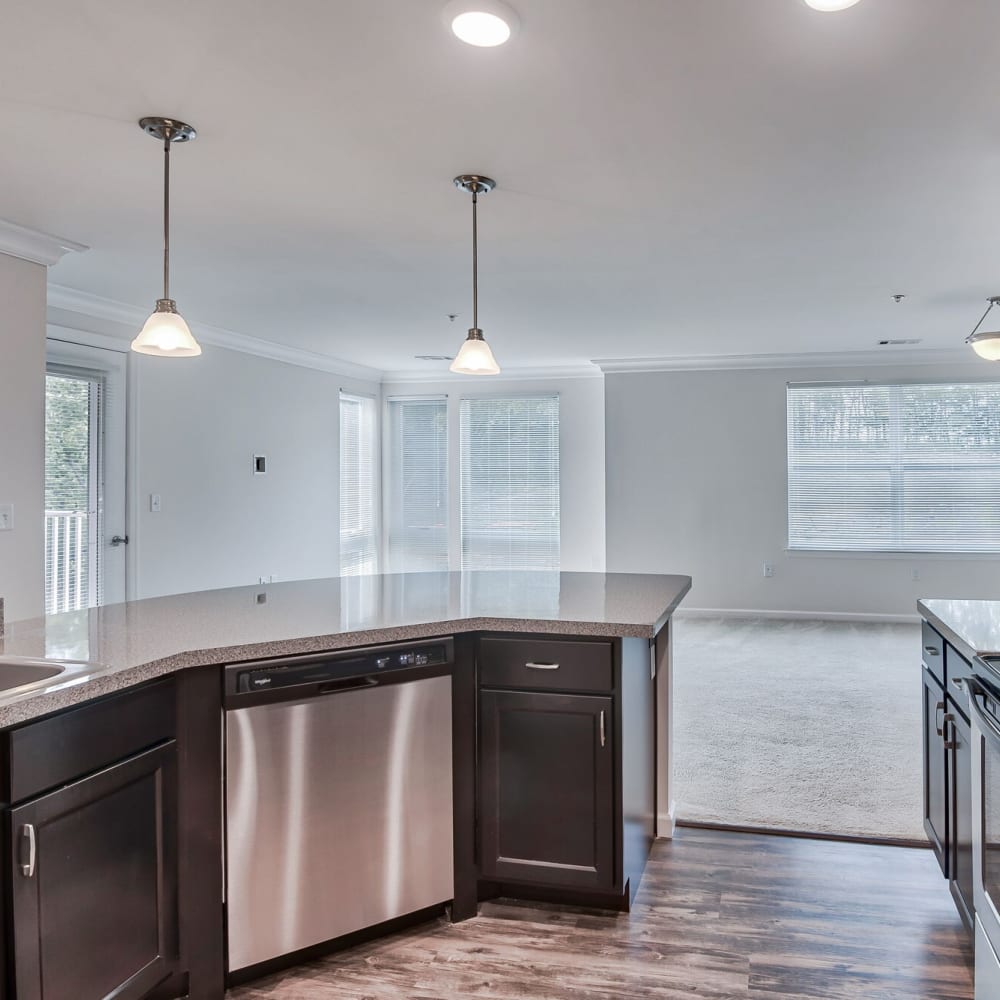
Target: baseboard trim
[
  {"x": 666, "y": 823},
  {"x": 769, "y": 831},
  {"x": 822, "y": 616}
]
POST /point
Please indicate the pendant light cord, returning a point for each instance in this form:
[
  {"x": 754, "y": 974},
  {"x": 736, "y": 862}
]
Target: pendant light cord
[
  {"x": 475, "y": 261},
  {"x": 166, "y": 215}
]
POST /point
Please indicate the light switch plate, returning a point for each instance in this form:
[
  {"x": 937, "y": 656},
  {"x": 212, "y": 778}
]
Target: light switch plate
[{"x": 6, "y": 516}]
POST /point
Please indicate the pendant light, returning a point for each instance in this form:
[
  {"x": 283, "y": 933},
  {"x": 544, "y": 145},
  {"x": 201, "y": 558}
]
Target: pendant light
[
  {"x": 987, "y": 343},
  {"x": 475, "y": 356},
  {"x": 165, "y": 333}
]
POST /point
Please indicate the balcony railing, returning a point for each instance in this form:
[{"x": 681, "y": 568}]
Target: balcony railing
[{"x": 67, "y": 558}]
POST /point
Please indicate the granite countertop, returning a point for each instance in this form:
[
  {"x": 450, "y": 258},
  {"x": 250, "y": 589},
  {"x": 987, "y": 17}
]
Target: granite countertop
[
  {"x": 117, "y": 646},
  {"x": 972, "y": 627}
]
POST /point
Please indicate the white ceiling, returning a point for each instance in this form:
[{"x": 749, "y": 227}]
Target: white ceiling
[{"x": 676, "y": 177}]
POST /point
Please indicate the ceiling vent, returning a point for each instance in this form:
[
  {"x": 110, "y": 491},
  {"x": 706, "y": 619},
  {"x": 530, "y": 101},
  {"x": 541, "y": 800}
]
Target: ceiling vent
[
  {"x": 899, "y": 342},
  {"x": 433, "y": 357}
]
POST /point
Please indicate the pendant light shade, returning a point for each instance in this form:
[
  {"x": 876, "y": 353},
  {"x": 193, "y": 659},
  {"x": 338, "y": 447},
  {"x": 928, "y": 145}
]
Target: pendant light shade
[
  {"x": 165, "y": 334},
  {"x": 475, "y": 357},
  {"x": 986, "y": 343}
]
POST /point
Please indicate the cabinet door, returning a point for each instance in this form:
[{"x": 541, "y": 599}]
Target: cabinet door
[
  {"x": 94, "y": 877},
  {"x": 547, "y": 791},
  {"x": 959, "y": 744},
  {"x": 935, "y": 770}
]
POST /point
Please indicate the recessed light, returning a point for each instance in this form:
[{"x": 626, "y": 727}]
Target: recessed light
[
  {"x": 831, "y": 5},
  {"x": 484, "y": 23}
]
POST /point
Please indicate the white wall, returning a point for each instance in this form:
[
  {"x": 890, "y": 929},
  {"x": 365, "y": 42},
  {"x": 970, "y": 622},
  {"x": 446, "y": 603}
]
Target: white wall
[
  {"x": 697, "y": 484},
  {"x": 196, "y": 425},
  {"x": 581, "y": 451},
  {"x": 22, "y": 435}
]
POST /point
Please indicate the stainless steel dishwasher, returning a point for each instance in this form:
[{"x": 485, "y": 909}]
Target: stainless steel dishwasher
[{"x": 338, "y": 794}]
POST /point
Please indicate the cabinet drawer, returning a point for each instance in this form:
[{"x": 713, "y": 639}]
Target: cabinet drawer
[
  {"x": 957, "y": 669},
  {"x": 546, "y": 664},
  {"x": 932, "y": 650},
  {"x": 63, "y": 747}
]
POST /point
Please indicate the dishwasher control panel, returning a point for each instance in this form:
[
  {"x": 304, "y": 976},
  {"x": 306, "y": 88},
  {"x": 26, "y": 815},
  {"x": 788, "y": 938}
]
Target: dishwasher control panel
[{"x": 320, "y": 673}]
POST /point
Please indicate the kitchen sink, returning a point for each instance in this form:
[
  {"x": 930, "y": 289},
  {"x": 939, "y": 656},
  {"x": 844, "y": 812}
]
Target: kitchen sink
[{"x": 21, "y": 671}]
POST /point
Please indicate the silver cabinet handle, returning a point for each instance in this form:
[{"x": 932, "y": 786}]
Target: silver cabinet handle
[
  {"x": 542, "y": 666},
  {"x": 950, "y": 744},
  {"x": 604, "y": 733},
  {"x": 28, "y": 833},
  {"x": 938, "y": 709},
  {"x": 932, "y": 651}
]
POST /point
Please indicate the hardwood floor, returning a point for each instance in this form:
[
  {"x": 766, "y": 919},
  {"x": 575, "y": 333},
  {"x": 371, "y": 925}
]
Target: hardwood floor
[{"x": 719, "y": 915}]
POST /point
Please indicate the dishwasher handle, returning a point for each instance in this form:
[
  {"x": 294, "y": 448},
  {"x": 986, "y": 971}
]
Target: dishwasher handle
[{"x": 351, "y": 684}]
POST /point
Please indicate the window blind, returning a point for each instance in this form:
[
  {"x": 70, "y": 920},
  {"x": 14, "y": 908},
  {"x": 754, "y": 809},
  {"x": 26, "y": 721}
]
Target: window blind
[
  {"x": 358, "y": 486},
  {"x": 417, "y": 485},
  {"x": 510, "y": 483},
  {"x": 907, "y": 468},
  {"x": 73, "y": 489}
]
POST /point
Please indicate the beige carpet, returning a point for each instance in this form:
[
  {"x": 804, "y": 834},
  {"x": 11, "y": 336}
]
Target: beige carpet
[{"x": 812, "y": 726}]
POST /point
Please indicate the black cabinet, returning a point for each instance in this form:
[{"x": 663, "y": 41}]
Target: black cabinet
[
  {"x": 958, "y": 743},
  {"x": 94, "y": 883},
  {"x": 947, "y": 743},
  {"x": 547, "y": 788},
  {"x": 936, "y": 805}
]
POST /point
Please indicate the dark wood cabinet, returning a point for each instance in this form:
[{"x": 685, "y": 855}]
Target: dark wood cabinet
[
  {"x": 947, "y": 745},
  {"x": 936, "y": 805},
  {"x": 958, "y": 744},
  {"x": 547, "y": 793},
  {"x": 93, "y": 881}
]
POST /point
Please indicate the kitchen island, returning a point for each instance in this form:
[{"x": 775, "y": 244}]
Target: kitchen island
[
  {"x": 961, "y": 741},
  {"x": 127, "y": 738}
]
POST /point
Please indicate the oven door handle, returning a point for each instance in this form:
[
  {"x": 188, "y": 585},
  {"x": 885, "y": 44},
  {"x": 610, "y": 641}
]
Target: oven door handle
[{"x": 987, "y": 723}]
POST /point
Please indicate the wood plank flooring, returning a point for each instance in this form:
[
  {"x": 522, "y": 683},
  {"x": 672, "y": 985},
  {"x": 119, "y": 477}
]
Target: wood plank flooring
[{"x": 719, "y": 916}]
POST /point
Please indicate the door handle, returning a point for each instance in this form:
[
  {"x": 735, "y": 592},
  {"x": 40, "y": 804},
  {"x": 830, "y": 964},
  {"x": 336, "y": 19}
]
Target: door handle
[
  {"x": 28, "y": 833},
  {"x": 542, "y": 666},
  {"x": 117, "y": 540},
  {"x": 937, "y": 710},
  {"x": 604, "y": 732}
]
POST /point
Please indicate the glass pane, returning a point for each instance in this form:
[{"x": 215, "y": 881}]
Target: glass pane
[{"x": 71, "y": 492}]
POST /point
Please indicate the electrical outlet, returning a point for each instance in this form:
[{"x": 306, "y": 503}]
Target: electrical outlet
[
  {"x": 768, "y": 570},
  {"x": 6, "y": 516},
  {"x": 155, "y": 503},
  {"x": 916, "y": 575}
]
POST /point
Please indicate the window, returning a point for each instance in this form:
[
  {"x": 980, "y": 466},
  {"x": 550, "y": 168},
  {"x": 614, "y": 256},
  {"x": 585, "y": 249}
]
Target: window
[
  {"x": 73, "y": 480},
  {"x": 358, "y": 491},
  {"x": 510, "y": 483},
  {"x": 417, "y": 485},
  {"x": 902, "y": 468}
]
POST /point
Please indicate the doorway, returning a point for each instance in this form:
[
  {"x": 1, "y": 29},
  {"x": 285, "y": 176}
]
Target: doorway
[{"x": 85, "y": 536}]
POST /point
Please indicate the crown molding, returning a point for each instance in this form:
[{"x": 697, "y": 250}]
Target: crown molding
[
  {"x": 31, "y": 244},
  {"x": 749, "y": 362},
  {"x": 110, "y": 310},
  {"x": 506, "y": 375}
]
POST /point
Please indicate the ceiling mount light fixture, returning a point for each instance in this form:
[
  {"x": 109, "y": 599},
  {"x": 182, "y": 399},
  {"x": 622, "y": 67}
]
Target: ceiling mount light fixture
[
  {"x": 831, "y": 5},
  {"x": 475, "y": 356},
  {"x": 165, "y": 333},
  {"x": 483, "y": 23},
  {"x": 987, "y": 343}
]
